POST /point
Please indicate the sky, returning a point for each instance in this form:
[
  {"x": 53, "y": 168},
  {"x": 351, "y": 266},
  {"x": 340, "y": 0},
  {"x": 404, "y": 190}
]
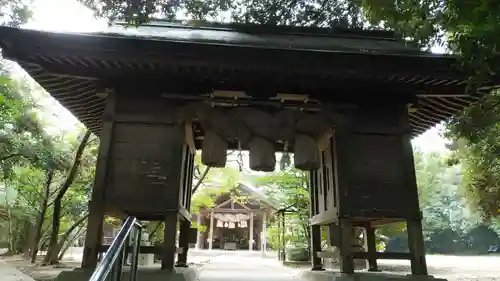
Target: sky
[{"x": 71, "y": 16}]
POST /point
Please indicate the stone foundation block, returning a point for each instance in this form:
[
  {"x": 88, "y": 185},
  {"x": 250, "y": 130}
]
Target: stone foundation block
[
  {"x": 362, "y": 276},
  {"x": 144, "y": 274}
]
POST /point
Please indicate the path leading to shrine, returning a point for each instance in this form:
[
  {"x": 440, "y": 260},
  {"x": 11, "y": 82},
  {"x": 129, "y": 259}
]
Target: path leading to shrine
[{"x": 245, "y": 266}]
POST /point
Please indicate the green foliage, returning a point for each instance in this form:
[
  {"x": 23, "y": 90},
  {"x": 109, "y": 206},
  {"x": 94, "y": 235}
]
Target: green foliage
[
  {"x": 15, "y": 12},
  {"x": 450, "y": 224},
  {"x": 476, "y": 143},
  {"x": 289, "y": 12},
  {"x": 215, "y": 183},
  {"x": 33, "y": 167},
  {"x": 471, "y": 29},
  {"x": 289, "y": 187}
]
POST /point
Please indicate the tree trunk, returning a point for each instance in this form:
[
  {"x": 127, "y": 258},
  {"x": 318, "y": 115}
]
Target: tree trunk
[
  {"x": 306, "y": 228},
  {"x": 51, "y": 258},
  {"x": 27, "y": 246},
  {"x": 70, "y": 242},
  {"x": 54, "y": 254},
  {"x": 9, "y": 220},
  {"x": 41, "y": 217}
]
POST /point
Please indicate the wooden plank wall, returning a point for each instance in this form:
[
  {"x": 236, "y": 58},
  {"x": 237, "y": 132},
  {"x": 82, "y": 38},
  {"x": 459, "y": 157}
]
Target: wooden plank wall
[
  {"x": 366, "y": 171},
  {"x": 149, "y": 164},
  {"x": 323, "y": 186},
  {"x": 186, "y": 185},
  {"x": 373, "y": 174}
]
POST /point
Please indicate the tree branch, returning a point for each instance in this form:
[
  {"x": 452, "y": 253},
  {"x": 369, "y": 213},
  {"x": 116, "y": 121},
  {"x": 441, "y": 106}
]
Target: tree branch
[
  {"x": 11, "y": 156},
  {"x": 200, "y": 180}
]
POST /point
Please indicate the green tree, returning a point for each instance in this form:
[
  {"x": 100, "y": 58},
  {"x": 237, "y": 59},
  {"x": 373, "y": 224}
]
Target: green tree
[
  {"x": 289, "y": 188},
  {"x": 55, "y": 245},
  {"x": 289, "y": 12},
  {"x": 15, "y": 12},
  {"x": 476, "y": 143},
  {"x": 33, "y": 169}
]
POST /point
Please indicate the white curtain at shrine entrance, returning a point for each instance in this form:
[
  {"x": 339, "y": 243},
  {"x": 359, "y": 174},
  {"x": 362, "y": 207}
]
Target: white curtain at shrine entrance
[{"x": 221, "y": 220}]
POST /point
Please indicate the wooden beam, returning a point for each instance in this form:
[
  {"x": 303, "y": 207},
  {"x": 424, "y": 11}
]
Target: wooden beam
[
  {"x": 211, "y": 231},
  {"x": 223, "y": 204},
  {"x": 326, "y": 217},
  {"x": 251, "y": 241},
  {"x": 227, "y": 210},
  {"x": 366, "y": 255}
]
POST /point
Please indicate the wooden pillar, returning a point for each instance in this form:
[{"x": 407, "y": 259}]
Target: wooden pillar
[
  {"x": 371, "y": 247},
  {"x": 334, "y": 235},
  {"x": 283, "y": 234},
  {"x": 184, "y": 228},
  {"x": 250, "y": 233},
  {"x": 316, "y": 247},
  {"x": 198, "y": 232},
  {"x": 264, "y": 234},
  {"x": 315, "y": 230},
  {"x": 95, "y": 221},
  {"x": 211, "y": 231},
  {"x": 169, "y": 239},
  {"x": 185, "y": 224},
  {"x": 279, "y": 234},
  {"x": 416, "y": 246},
  {"x": 346, "y": 259},
  {"x": 414, "y": 224}
]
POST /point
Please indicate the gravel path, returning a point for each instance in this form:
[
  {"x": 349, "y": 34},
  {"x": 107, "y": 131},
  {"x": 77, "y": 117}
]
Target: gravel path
[
  {"x": 246, "y": 268},
  {"x": 454, "y": 268}
]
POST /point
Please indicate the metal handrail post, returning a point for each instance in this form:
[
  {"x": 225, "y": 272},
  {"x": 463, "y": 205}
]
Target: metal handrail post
[
  {"x": 117, "y": 271},
  {"x": 114, "y": 258},
  {"x": 134, "y": 266}
]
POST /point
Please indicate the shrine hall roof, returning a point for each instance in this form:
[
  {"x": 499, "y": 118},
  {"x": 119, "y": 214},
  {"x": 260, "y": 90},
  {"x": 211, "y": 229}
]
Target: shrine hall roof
[
  {"x": 328, "y": 65},
  {"x": 268, "y": 37}
]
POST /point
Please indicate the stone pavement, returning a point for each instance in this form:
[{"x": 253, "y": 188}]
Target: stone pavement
[
  {"x": 212, "y": 265},
  {"x": 8, "y": 273},
  {"x": 242, "y": 267}
]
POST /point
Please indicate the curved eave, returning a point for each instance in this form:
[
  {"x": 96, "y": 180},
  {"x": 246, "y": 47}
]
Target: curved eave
[{"x": 81, "y": 98}]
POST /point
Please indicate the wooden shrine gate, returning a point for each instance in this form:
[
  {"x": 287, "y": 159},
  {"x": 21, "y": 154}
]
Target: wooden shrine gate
[{"x": 345, "y": 102}]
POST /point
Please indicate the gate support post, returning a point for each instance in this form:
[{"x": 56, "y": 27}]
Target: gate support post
[
  {"x": 371, "y": 247},
  {"x": 416, "y": 246},
  {"x": 346, "y": 236},
  {"x": 169, "y": 247},
  {"x": 316, "y": 247},
  {"x": 184, "y": 228},
  {"x": 93, "y": 236}
]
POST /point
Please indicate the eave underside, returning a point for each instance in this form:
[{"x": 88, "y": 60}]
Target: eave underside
[{"x": 434, "y": 101}]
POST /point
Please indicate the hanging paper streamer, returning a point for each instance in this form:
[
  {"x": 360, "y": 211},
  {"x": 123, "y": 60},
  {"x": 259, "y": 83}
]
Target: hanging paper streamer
[
  {"x": 220, "y": 223},
  {"x": 226, "y": 224},
  {"x": 231, "y": 225},
  {"x": 243, "y": 224}
]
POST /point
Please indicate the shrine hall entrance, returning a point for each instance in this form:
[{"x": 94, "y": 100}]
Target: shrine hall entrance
[{"x": 237, "y": 221}]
